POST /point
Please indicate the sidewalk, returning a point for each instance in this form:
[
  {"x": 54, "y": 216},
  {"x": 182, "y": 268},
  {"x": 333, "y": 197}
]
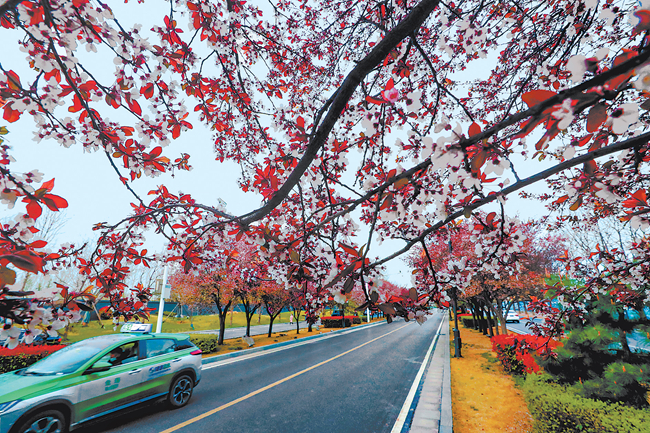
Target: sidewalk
[
  {"x": 255, "y": 330},
  {"x": 433, "y": 408}
]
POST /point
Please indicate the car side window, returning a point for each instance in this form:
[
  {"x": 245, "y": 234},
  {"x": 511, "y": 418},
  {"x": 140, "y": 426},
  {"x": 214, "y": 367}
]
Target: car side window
[
  {"x": 122, "y": 354},
  {"x": 185, "y": 344},
  {"x": 156, "y": 347}
]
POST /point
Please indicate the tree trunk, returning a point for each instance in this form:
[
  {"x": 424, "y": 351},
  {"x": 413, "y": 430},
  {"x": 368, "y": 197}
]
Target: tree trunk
[
  {"x": 296, "y": 317},
  {"x": 489, "y": 321},
  {"x": 222, "y": 326},
  {"x": 482, "y": 320},
  {"x": 250, "y": 312},
  {"x": 271, "y": 319}
]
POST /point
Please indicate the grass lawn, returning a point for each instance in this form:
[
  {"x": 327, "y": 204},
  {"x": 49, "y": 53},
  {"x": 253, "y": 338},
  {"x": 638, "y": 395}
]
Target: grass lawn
[
  {"x": 77, "y": 331},
  {"x": 484, "y": 397}
]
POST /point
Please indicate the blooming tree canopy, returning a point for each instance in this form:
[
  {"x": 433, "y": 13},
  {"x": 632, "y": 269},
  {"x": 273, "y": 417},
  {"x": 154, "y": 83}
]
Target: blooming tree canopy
[{"x": 354, "y": 122}]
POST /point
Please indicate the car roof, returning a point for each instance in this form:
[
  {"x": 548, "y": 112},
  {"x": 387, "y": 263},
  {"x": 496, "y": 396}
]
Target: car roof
[{"x": 116, "y": 338}]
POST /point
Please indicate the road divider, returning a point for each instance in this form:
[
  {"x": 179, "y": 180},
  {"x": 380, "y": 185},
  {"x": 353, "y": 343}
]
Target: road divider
[{"x": 274, "y": 384}]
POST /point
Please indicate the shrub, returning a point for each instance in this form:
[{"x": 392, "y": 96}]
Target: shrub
[
  {"x": 335, "y": 323},
  {"x": 468, "y": 322},
  {"x": 594, "y": 361},
  {"x": 24, "y": 356},
  {"x": 208, "y": 343},
  {"x": 559, "y": 409},
  {"x": 515, "y": 351}
]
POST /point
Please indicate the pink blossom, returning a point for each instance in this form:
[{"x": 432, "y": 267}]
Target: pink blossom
[{"x": 391, "y": 95}]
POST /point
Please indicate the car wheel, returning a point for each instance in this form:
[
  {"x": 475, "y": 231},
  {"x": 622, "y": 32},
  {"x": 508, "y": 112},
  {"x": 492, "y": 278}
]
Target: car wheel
[
  {"x": 180, "y": 391},
  {"x": 49, "y": 421}
]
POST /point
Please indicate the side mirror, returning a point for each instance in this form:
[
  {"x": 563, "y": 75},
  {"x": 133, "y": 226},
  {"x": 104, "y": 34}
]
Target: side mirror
[{"x": 98, "y": 367}]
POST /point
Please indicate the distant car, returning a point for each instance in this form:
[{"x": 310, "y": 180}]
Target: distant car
[
  {"x": 98, "y": 376},
  {"x": 512, "y": 317},
  {"x": 337, "y": 316}
]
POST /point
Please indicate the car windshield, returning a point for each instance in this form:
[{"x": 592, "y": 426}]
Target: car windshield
[{"x": 70, "y": 358}]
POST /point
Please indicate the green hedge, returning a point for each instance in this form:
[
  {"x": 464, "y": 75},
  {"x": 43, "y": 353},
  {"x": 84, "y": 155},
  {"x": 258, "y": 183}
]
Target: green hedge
[
  {"x": 335, "y": 323},
  {"x": 558, "y": 409},
  {"x": 24, "y": 356},
  {"x": 468, "y": 322},
  {"x": 208, "y": 343}
]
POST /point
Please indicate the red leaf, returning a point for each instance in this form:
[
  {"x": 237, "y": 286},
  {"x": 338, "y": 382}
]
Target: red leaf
[
  {"x": 76, "y": 105},
  {"x": 639, "y": 198},
  {"x": 597, "y": 115},
  {"x": 390, "y": 84},
  {"x": 479, "y": 160},
  {"x": 374, "y": 100},
  {"x": 156, "y": 151},
  {"x": 134, "y": 106},
  {"x": 147, "y": 90},
  {"x": 301, "y": 123},
  {"x": 34, "y": 209},
  {"x": 10, "y": 115},
  {"x": 13, "y": 80},
  {"x": 349, "y": 249},
  {"x": 25, "y": 260},
  {"x": 576, "y": 204},
  {"x": 474, "y": 129},
  {"x": 534, "y": 97},
  {"x": 48, "y": 186},
  {"x": 561, "y": 199},
  {"x": 54, "y": 202},
  {"x": 38, "y": 244},
  {"x": 176, "y": 131}
]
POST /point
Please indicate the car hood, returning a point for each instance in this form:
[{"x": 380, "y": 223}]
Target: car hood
[{"x": 15, "y": 386}]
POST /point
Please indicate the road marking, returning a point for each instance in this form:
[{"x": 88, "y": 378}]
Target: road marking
[
  {"x": 274, "y": 384},
  {"x": 401, "y": 418},
  {"x": 278, "y": 349}
]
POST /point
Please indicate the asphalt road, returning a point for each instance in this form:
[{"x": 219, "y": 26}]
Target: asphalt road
[{"x": 353, "y": 381}]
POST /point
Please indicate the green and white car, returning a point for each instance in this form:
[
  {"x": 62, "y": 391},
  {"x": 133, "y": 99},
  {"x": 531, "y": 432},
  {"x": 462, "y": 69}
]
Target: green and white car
[{"x": 99, "y": 376}]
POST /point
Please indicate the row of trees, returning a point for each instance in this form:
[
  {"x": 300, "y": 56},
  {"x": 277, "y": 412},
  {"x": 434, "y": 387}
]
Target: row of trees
[
  {"x": 488, "y": 275},
  {"x": 352, "y": 122},
  {"x": 237, "y": 276}
]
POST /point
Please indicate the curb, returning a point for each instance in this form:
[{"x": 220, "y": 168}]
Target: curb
[
  {"x": 433, "y": 409},
  {"x": 252, "y": 350}
]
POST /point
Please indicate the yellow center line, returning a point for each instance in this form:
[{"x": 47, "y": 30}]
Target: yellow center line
[{"x": 274, "y": 384}]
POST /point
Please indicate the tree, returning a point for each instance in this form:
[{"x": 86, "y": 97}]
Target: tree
[
  {"x": 209, "y": 283},
  {"x": 595, "y": 357},
  {"x": 275, "y": 299},
  {"x": 489, "y": 261},
  {"x": 246, "y": 272},
  {"x": 291, "y": 91}
]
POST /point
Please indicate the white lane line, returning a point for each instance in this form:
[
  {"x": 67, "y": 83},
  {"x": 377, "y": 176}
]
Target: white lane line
[
  {"x": 278, "y": 349},
  {"x": 401, "y": 418}
]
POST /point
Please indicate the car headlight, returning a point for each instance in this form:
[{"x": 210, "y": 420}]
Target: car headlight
[{"x": 5, "y": 407}]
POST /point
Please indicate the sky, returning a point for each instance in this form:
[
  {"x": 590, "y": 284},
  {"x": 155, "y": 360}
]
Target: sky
[{"x": 95, "y": 194}]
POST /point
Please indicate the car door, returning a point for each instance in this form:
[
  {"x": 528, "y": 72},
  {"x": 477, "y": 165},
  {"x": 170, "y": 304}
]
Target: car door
[
  {"x": 121, "y": 385},
  {"x": 162, "y": 362}
]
